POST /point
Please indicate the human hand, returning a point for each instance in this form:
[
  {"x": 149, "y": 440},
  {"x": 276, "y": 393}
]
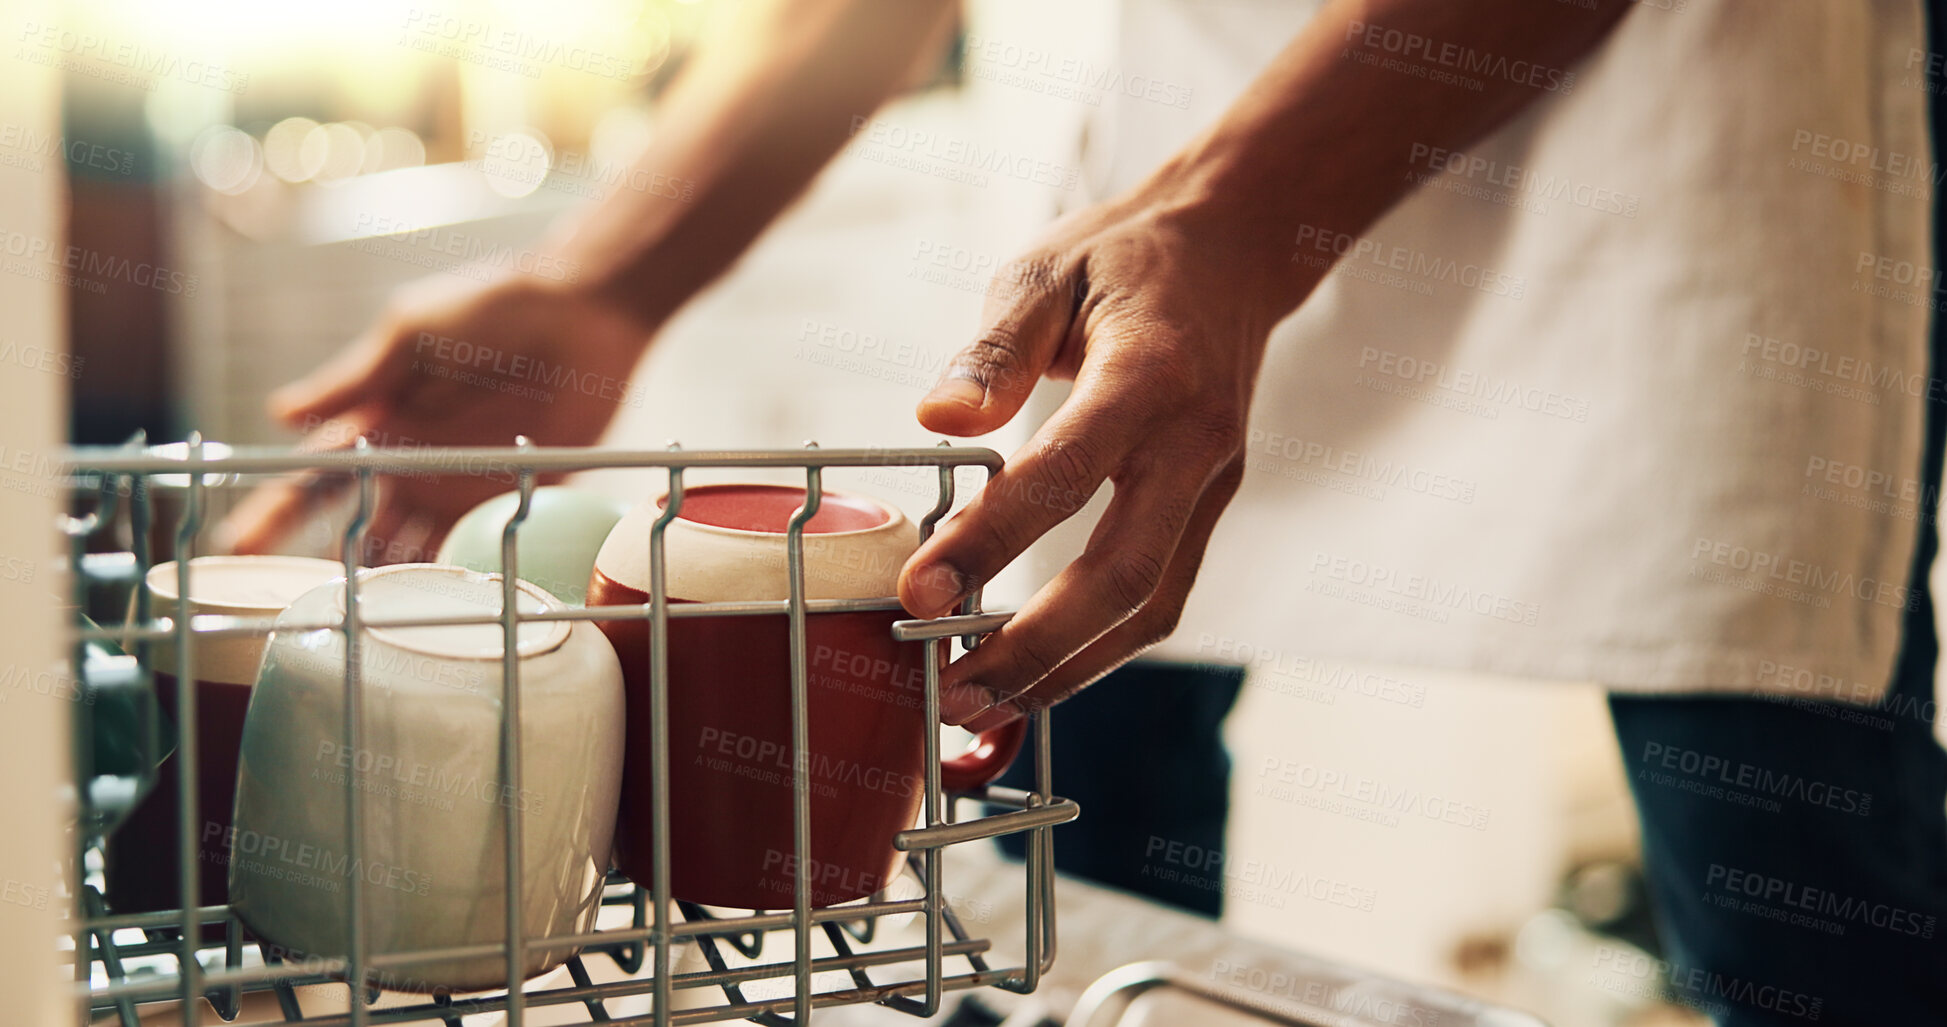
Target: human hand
[
  {"x": 1158, "y": 308},
  {"x": 449, "y": 363}
]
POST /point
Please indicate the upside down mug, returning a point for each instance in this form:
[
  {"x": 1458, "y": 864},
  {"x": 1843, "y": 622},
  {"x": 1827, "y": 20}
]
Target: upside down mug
[
  {"x": 730, "y": 758},
  {"x": 437, "y": 797}
]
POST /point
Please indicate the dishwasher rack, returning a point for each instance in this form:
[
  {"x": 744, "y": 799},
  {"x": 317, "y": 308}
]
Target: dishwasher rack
[{"x": 196, "y": 952}]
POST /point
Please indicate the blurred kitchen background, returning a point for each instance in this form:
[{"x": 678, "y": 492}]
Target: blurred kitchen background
[{"x": 279, "y": 168}]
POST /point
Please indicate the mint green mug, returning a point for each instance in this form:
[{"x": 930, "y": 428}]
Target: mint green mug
[{"x": 565, "y": 528}]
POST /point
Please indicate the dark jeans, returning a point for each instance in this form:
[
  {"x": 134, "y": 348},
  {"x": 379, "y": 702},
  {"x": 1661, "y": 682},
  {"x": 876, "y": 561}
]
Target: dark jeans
[
  {"x": 1142, "y": 752},
  {"x": 1797, "y": 856}
]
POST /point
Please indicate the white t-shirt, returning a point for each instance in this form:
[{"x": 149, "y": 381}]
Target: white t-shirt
[{"x": 1631, "y": 391}]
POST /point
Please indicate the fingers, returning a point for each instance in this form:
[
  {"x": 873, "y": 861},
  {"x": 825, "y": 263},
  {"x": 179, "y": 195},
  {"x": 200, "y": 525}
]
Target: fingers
[
  {"x": 1046, "y": 482},
  {"x": 1125, "y": 563},
  {"x": 396, "y": 533},
  {"x": 271, "y": 512},
  {"x": 962, "y": 704},
  {"x": 1030, "y": 308},
  {"x": 363, "y": 373}
]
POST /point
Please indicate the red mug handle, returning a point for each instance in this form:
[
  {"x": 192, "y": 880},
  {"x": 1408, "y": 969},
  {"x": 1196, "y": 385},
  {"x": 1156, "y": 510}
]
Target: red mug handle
[{"x": 993, "y": 750}]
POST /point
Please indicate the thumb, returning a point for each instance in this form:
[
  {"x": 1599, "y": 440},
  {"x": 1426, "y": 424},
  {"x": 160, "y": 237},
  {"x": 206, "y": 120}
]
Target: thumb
[
  {"x": 1030, "y": 309},
  {"x": 367, "y": 371}
]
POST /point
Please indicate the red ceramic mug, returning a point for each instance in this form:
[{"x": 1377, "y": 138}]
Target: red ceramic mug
[{"x": 730, "y": 780}]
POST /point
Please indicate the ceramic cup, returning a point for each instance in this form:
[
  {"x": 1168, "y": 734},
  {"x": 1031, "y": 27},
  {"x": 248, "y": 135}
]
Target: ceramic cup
[
  {"x": 558, "y": 541},
  {"x": 730, "y": 762},
  {"x": 435, "y": 798},
  {"x": 140, "y": 872}
]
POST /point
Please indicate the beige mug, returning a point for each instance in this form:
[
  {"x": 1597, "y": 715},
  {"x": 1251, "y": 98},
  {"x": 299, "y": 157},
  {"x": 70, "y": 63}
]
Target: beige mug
[{"x": 141, "y": 865}]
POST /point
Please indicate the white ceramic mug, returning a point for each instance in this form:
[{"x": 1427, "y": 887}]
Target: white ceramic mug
[{"x": 434, "y": 796}]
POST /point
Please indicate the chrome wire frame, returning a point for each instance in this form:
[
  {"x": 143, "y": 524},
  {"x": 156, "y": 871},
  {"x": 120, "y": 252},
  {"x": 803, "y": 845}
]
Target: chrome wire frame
[{"x": 641, "y": 951}]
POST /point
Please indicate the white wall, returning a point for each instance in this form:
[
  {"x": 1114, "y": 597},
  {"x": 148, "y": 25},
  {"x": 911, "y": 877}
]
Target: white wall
[{"x": 33, "y": 727}]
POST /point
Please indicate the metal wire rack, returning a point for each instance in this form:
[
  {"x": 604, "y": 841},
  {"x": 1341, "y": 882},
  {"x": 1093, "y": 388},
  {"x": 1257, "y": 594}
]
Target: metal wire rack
[{"x": 197, "y": 952}]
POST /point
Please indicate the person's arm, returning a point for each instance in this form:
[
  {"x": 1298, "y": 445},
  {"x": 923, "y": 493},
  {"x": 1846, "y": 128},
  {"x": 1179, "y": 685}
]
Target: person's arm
[
  {"x": 1159, "y": 304},
  {"x": 743, "y": 131},
  {"x": 764, "y": 106}
]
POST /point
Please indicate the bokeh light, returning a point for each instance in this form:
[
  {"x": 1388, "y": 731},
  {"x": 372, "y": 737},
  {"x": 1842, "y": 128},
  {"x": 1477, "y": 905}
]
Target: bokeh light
[
  {"x": 283, "y": 149},
  {"x": 516, "y": 163},
  {"x": 392, "y": 148},
  {"x": 226, "y": 159},
  {"x": 336, "y": 150}
]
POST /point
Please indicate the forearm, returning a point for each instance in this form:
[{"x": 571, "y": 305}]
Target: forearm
[
  {"x": 744, "y": 130},
  {"x": 1324, "y": 140}
]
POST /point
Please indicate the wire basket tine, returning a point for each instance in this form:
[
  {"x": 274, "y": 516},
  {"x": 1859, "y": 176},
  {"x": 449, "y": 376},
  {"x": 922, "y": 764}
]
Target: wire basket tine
[
  {"x": 659, "y": 737},
  {"x": 77, "y": 530},
  {"x": 1044, "y": 774},
  {"x": 189, "y": 868},
  {"x": 801, "y": 747},
  {"x": 933, "y": 803},
  {"x": 941, "y": 506},
  {"x": 510, "y": 739},
  {"x": 352, "y": 554}
]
